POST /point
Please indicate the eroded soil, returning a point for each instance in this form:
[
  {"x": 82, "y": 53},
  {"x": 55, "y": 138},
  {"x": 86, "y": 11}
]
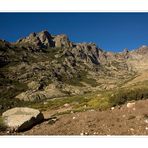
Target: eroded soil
[{"x": 120, "y": 120}]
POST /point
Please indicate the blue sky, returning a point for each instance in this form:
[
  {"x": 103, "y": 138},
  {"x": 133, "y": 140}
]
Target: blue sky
[{"x": 110, "y": 31}]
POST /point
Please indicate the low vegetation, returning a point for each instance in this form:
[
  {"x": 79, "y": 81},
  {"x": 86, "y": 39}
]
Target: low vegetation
[
  {"x": 97, "y": 100},
  {"x": 101, "y": 100},
  {"x": 8, "y": 90},
  {"x": 3, "y": 127},
  {"x": 77, "y": 103},
  {"x": 135, "y": 92}
]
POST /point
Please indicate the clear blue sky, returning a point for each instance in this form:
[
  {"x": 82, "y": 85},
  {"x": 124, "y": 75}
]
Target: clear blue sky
[{"x": 110, "y": 31}]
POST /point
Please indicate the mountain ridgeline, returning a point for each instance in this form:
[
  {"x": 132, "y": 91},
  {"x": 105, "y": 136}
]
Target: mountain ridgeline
[{"x": 43, "y": 66}]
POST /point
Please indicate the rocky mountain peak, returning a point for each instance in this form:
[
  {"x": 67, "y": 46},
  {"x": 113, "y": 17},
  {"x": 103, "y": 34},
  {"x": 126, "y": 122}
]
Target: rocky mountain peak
[
  {"x": 125, "y": 50},
  {"x": 41, "y": 39},
  {"x": 142, "y": 50},
  {"x": 32, "y": 35},
  {"x": 44, "y": 35},
  {"x": 45, "y": 39}
]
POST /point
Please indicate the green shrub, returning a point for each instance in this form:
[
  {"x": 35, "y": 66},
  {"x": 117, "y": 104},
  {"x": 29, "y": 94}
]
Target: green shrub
[
  {"x": 3, "y": 127},
  {"x": 123, "y": 95},
  {"x": 8, "y": 90},
  {"x": 99, "y": 103}
]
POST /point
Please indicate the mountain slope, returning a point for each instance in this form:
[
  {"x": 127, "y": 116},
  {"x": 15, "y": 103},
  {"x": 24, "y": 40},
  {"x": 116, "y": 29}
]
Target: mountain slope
[{"x": 43, "y": 66}]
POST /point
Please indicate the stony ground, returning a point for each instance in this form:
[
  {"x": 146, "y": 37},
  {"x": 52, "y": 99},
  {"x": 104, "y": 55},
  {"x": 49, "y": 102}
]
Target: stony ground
[{"x": 121, "y": 120}]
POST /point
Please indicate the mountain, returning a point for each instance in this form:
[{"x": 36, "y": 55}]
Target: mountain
[{"x": 43, "y": 66}]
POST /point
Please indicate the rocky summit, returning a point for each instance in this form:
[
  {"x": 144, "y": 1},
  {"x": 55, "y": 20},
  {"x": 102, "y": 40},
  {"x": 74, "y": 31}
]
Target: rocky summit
[{"x": 45, "y": 66}]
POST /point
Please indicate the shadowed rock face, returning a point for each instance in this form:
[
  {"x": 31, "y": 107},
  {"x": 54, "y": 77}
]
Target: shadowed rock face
[
  {"x": 46, "y": 39},
  {"x": 42, "y": 60}
]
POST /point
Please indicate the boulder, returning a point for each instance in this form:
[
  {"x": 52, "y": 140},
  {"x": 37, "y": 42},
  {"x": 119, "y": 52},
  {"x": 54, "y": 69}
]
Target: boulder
[{"x": 22, "y": 118}]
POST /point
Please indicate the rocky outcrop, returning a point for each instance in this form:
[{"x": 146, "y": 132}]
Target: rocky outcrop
[
  {"x": 62, "y": 41},
  {"x": 142, "y": 50},
  {"x": 87, "y": 52},
  {"x": 33, "y": 94},
  {"x": 46, "y": 39},
  {"x": 138, "y": 59},
  {"x": 42, "y": 39},
  {"x": 20, "y": 119}
]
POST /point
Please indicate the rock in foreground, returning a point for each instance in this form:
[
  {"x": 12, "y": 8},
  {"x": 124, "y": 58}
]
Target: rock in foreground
[{"x": 22, "y": 118}]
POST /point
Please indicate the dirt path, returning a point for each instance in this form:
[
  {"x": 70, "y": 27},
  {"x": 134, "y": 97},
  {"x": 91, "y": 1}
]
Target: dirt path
[{"x": 119, "y": 121}]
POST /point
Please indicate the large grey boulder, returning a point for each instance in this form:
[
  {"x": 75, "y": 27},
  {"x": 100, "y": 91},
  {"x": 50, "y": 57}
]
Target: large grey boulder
[{"x": 22, "y": 118}]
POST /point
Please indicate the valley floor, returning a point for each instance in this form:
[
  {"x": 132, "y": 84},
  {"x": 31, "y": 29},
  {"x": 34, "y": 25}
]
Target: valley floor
[
  {"x": 120, "y": 120},
  {"x": 131, "y": 118}
]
